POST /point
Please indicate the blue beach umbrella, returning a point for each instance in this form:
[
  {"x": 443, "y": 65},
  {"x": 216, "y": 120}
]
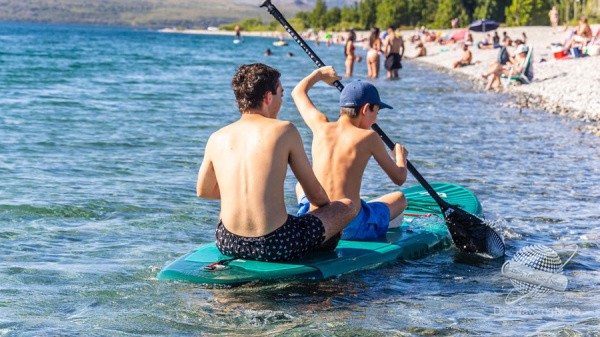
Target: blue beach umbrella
[{"x": 483, "y": 25}]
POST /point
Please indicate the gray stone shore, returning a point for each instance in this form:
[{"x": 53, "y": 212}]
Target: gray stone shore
[{"x": 564, "y": 87}]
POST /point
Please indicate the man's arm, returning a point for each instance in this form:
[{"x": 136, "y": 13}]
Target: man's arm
[
  {"x": 401, "y": 46},
  {"x": 396, "y": 171},
  {"x": 300, "y": 165},
  {"x": 311, "y": 115},
  {"x": 207, "y": 186},
  {"x": 386, "y": 44}
]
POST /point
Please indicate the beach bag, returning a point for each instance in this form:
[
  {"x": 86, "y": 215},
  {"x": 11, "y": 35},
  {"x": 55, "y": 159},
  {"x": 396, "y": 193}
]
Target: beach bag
[
  {"x": 593, "y": 50},
  {"x": 503, "y": 56}
]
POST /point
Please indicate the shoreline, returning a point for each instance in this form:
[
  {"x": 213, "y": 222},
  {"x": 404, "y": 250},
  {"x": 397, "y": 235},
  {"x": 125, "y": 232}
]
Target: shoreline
[{"x": 561, "y": 87}]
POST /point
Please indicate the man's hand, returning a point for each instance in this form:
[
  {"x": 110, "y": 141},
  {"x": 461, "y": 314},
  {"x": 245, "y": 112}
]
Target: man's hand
[{"x": 329, "y": 75}]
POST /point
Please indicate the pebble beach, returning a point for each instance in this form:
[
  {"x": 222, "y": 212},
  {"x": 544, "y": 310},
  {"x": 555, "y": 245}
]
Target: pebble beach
[{"x": 565, "y": 87}]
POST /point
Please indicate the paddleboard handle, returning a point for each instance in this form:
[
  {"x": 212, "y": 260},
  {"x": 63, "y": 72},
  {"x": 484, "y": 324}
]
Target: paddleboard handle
[{"x": 219, "y": 265}]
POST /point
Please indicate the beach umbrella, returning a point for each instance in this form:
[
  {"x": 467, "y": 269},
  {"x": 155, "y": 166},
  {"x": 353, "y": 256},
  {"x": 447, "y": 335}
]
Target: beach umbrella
[
  {"x": 483, "y": 25},
  {"x": 459, "y": 35}
]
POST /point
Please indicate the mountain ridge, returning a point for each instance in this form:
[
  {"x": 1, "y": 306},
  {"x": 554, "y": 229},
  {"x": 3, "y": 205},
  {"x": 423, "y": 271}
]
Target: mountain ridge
[{"x": 144, "y": 13}]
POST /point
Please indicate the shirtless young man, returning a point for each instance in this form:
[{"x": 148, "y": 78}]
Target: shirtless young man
[
  {"x": 391, "y": 47},
  {"x": 245, "y": 165},
  {"x": 341, "y": 150},
  {"x": 466, "y": 59},
  {"x": 583, "y": 33}
]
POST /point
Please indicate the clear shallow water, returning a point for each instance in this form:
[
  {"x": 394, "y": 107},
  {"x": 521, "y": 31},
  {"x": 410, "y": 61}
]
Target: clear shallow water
[{"x": 102, "y": 132}]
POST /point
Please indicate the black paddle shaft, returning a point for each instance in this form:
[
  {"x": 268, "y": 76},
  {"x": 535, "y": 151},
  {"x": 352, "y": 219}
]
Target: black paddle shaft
[{"x": 277, "y": 15}]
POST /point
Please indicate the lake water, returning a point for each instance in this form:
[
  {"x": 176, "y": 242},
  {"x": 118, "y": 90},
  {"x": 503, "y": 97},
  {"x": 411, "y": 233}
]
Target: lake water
[{"x": 102, "y": 131}]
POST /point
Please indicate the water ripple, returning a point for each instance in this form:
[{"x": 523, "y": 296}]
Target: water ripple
[{"x": 103, "y": 131}]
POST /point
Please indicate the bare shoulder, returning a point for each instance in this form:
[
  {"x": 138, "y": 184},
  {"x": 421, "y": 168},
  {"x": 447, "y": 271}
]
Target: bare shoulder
[
  {"x": 364, "y": 136},
  {"x": 371, "y": 136},
  {"x": 223, "y": 132},
  {"x": 284, "y": 129},
  {"x": 284, "y": 126}
]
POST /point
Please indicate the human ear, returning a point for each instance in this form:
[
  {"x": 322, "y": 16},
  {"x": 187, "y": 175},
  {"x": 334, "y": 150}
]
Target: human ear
[
  {"x": 364, "y": 109},
  {"x": 268, "y": 97}
]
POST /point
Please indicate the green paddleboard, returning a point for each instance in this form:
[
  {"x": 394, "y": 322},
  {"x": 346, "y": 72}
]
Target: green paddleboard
[{"x": 416, "y": 238}]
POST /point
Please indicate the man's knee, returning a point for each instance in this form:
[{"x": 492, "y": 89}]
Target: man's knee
[{"x": 336, "y": 216}]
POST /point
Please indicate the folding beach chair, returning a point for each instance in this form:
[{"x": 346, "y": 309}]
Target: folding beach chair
[
  {"x": 524, "y": 75},
  {"x": 595, "y": 39}
]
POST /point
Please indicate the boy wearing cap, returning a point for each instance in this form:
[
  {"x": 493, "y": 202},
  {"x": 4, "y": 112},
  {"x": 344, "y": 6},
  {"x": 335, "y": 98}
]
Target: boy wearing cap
[{"x": 341, "y": 150}]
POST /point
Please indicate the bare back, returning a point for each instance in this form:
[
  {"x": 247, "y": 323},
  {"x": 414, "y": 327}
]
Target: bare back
[
  {"x": 342, "y": 149},
  {"x": 467, "y": 57},
  {"x": 250, "y": 162},
  {"x": 393, "y": 44},
  {"x": 584, "y": 30},
  {"x": 340, "y": 153}
]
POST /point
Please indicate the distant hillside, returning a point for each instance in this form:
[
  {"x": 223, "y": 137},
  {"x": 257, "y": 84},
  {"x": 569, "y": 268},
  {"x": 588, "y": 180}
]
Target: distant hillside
[
  {"x": 146, "y": 13},
  {"x": 300, "y": 4}
]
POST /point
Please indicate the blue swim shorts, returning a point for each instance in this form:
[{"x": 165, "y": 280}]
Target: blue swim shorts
[{"x": 371, "y": 222}]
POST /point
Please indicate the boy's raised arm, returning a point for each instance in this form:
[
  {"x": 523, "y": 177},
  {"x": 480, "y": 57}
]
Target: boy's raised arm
[{"x": 311, "y": 115}]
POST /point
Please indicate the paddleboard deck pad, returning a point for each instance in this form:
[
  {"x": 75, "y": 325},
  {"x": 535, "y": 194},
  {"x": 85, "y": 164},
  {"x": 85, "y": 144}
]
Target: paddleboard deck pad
[{"x": 422, "y": 233}]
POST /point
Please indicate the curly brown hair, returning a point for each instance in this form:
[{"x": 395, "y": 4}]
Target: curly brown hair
[{"x": 250, "y": 84}]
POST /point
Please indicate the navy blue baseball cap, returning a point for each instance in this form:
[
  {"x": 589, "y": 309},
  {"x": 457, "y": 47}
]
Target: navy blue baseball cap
[{"x": 359, "y": 93}]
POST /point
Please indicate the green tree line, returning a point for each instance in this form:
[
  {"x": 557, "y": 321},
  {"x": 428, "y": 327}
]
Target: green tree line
[{"x": 436, "y": 14}]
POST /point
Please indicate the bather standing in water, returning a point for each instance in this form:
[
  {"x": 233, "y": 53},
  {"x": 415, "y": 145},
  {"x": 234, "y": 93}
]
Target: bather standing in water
[
  {"x": 349, "y": 53},
  {"x": 373, "y": 58},
  {"x": 393, "y": 47}
]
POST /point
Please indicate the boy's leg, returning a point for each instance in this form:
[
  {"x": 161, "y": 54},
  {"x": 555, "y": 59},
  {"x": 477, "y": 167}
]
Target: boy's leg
[
  {"x": 395, "y": 201},
  {"x": 335, "y": 216}
]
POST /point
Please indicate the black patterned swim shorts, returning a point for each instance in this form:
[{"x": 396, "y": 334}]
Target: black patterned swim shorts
[{"x": 296, "y": 238}]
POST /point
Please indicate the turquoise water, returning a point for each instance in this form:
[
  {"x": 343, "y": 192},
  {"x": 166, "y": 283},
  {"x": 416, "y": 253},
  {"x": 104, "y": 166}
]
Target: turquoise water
[{"x": 102, "y": 133}]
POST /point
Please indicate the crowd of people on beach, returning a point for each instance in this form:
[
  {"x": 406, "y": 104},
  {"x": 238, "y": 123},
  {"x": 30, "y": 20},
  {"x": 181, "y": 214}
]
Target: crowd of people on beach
[{"x": 388, "y": 47}]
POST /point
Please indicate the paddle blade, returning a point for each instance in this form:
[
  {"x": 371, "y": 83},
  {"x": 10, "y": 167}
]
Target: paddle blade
[
  {"x": 470, "y": 234},
  {"x": 495, "y": 243}
]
